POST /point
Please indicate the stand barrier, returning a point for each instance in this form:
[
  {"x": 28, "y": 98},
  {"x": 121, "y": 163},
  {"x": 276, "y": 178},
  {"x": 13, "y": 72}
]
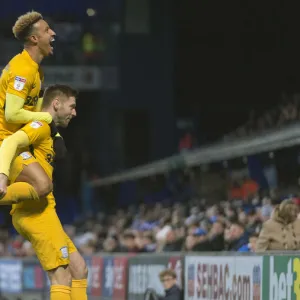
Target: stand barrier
[{"x": 202, "y": 276}]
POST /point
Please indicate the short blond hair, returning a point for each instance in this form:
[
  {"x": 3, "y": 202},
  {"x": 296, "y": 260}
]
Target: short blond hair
[{"x": 24, "y": 23}]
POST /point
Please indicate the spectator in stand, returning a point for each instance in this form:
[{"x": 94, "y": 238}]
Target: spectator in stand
[
  {"x": 172, "y": 290},
  {"x": 237, "y": 236},
  {"x": 88, "y": 249},
  {"x": 249, "y": 187},
  {"x": 110, "y": 244},
  {"x": 282, "y": 231},
  {"x": 251, "y": 246},
  {"x": 173, "y": 243},
  {"x": 254, "y": 222},
  {"x": 216, "y": 236},
  {"x": 27, "y": 249},
  {"x": 148, "y": 242},
  {"x": 284, "y": 114},
  {"x": 129, "y": 243},
  {"x": 267, "y": 208},
  {"x": 243, "y": 217},
  {"x": 201, "y": 242}
]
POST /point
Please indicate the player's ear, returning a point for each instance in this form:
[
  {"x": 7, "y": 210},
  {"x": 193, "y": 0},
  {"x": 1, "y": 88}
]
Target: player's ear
[
  {"x": 32, "y": 39},
  {"x": 55, "y": 103}
]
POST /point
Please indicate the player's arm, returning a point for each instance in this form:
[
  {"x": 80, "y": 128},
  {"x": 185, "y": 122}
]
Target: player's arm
[
  {"x": 19, "y": 87},
  {"x": 30, "y": 134},
  {"x": 39, "y": 104},
  {"x": 15, "y": 113}
]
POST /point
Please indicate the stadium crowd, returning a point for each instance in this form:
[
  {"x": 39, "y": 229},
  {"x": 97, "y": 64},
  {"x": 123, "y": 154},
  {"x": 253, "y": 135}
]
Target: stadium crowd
[{"x": 190, "y": 225}]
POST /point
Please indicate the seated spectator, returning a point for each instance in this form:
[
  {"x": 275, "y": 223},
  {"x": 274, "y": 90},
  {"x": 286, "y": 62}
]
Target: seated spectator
[
  {"x": 254, "y": 223},
  {"x": 251, "y": 246},
  {"x": 129, "y": 243},
  {"x": 172, "y": 242},
  {"x": 216, "y": 236},
  {"x": 201, "y": 242},
  {"x": 88, "y": 249},
  {"x": 267, "y": 209},
  {"x": 197, "y": 241},
  {"x": 172, "y": 290},
  {"x": 148, "y": 242},
  {"x": 282, "y": 231},
  {"x": 110, "y": 244},
  {"x": 237, "y": 236}
]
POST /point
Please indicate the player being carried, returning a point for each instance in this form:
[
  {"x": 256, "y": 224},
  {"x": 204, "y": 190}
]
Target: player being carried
[
  {"x": 20, "y": 86},
  {"x": 38, "y": 221}
]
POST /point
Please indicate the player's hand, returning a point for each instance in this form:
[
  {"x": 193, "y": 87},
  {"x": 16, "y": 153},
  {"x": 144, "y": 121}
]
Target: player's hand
[
  {"x": 60, "y": 148},
  {"x": 3, "y": 185}
]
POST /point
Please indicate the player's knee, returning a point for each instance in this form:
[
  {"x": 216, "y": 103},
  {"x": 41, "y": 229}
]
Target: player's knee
[
  {"x": 80, "y": 273},
  {"x": 44, "y": 187},
  {"x": 60, "y": 276}
]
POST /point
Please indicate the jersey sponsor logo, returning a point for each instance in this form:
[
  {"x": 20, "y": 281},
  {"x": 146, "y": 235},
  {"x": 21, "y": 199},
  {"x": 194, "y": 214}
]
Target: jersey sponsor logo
[
  {"x": 36, "y": 124},
  {"x": 25, "y": 155},
  {"x": 19, "y": 83},
  {"x": 64, "y": 252}
]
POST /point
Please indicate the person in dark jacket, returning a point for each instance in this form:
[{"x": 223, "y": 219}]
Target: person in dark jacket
[
  {"x": 237, "y": 236},
  {"x": 201, "y": 241},
  {"x": 173, "y": 292},
  {"x": 216, "y": 236},
  {"x": 173, "y": 243}
]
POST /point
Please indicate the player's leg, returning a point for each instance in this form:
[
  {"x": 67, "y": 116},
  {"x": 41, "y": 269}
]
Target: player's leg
[
  {"x": 29, "y": 181},
  {"x": 50, "y": 244},
  {"x": 34, "y": 174},
  {"x": 61, "y": 280},
  {"x": 79, "y": 273}
]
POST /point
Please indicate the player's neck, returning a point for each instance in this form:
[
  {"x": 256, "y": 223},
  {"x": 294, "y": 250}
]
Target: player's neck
[
  {"x": 52, "y": 113},
  {"x": 34, "y": 54}
]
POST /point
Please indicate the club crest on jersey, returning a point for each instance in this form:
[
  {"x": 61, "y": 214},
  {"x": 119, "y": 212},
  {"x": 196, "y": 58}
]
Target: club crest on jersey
[
  {"x": 19, "y": 83},
  {"x": 36, "y": 124}
]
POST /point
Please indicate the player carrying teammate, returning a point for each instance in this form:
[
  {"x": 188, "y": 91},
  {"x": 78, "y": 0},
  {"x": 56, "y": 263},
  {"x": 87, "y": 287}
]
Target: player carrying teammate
[
  {"x": 20, "y": 86},
  {"x": 38, "y": 222}
]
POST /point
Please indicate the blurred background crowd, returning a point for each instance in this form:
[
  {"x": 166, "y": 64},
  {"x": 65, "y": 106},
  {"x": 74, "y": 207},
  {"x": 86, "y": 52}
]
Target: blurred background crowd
[
  {"x": 175, "y": 218},
  {"x": 288, "y": 112}
]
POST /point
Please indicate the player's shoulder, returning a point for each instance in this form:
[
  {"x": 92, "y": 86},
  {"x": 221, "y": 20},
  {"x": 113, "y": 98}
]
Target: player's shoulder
[
  {"x": 37, "y": 131},
  {"x": 39, "y": 124},
  {"x": 19, "y": 66},
  {"x": 40, "y": 128}
]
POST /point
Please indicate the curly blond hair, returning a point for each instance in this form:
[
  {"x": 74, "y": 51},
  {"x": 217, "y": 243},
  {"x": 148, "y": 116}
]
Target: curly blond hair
[{"x": 24, "y": 23}]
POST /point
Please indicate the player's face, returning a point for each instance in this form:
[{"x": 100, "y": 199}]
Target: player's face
[
  {"x": 43, "y": 37},
  {"x": 66, "y": 111}
]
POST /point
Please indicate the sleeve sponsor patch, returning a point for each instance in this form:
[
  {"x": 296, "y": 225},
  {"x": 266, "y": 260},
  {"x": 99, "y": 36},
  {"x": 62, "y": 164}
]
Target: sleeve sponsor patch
[
  {"x": 25, "y": 155},
  {"x": 19, "y": 83},
  {"x": 36, "y": 124},
  {"x": 64, "y": 252}
]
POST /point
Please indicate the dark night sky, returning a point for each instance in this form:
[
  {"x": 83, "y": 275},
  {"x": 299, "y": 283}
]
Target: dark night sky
[{"x": 233, "y": 56}]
